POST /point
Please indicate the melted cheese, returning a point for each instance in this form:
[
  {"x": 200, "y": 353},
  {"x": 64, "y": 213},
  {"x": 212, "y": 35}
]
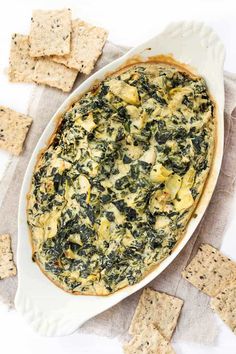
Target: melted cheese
[{"x": 113, "y": 192}]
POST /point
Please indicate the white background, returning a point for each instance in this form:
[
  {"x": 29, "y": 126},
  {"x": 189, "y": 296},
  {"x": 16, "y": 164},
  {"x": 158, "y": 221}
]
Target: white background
[{"x": 129, "y": 23}]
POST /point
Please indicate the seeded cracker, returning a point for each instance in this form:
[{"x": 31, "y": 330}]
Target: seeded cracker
[
  {"x": 210, "y": 271},
  {"x": 150, "y": 341},
  {"x": 50, "y": 32},
  {"x": 86, "y": 46},
  {"x": 224, "y": 304},
  {"x": 54, "y": 74},
  {"x": 14, "y": 127},
  {"x": 7, "y": 266},
  {"x": 21, "y": 65},
  {"x": 159, "y": 309}
]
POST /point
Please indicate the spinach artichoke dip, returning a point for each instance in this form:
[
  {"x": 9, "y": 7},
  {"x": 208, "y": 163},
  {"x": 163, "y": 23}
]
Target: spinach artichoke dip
[{"x": 112, "y": 193}]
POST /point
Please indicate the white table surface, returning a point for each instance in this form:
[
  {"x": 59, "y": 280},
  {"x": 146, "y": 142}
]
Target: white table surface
[{"x": 129, "y": 23}]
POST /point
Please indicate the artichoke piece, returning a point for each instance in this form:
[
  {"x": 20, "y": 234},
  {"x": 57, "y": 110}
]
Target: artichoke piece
[
  {"x": 159, "y": 173},
  {"x": 70, "y": 254},
  {"x": 159, "y": 202},
  {"x": 84, "y": 187},
  {"x": 134, "y": 152},
  {"x": 161, "y": 222},
  {"x": 138, "y": 119},
  {"x": 75, "y": 275},
  {"x": 88, "y": 124},
  {"x": 173, "y": 184},
  {"x": 69, "y": 191},
  {"x": 133, "y": 112},
  {"x": 177, "y": 94},
  {"x": 49, "y": 223},
  {"x": 184, "y": 198},
  {"x": 128, "y": 239},
  {"x": 188, "y": 178},
  {"x": 60, "y": 164},
  {"x": 75, "y": 238},
  {"x": 149, "y": 156},
  {"x": 126, "y": 92},
  {"x": 104, "y": 229}
]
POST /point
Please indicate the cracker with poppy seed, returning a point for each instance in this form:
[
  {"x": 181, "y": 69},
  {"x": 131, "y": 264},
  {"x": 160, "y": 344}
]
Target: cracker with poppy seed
[
  {"x": 7, "y": 266},
  {"x": 149, "y": 341},
  {"x": 210, "y": 271},
  {"x": 50, "y": 32},
  {"x": 87, "y": 42},
  {"x": 55, "y": 75},
  {"x": 14, "y": 127},
  {"x": 156, "y": 308},
  {"x": 21, "y": 65},
  {"x": 224, "y": 304}
]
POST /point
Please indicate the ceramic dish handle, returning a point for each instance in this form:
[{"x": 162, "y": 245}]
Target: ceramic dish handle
[
  {"x": 201, "y": 35},
  {"x": 55, "y": 323},
  {"x": 198, "y": 43}
]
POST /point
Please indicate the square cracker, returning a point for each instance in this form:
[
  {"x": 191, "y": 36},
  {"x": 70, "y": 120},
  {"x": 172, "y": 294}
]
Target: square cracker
[
  {"x": 7, "y": 266},
  {"x": 50, "y": 32},
  {"x": 54, "y": 75},
  {"x": 14, "y": 127},
  {"x": 87, "y": 42},
  {"x": 224, "y": 304},
  {"x": 149, "y": 341},
  {"x": 159, "y": 309},
  {"x": 209, "y": 270},
  {"x": 21, "y": 65}
]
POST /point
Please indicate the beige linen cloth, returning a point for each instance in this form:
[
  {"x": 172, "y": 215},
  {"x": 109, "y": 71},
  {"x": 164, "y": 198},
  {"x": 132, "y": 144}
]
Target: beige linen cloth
[{"x": 197, "y": 322}]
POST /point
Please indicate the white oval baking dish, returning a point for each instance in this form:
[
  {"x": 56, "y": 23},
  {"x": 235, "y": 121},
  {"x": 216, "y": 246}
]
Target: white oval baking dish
[{"x": 50, "y": 310}]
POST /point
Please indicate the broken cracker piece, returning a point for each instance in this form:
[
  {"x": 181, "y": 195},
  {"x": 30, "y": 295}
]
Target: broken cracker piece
[
  {"x": 7, "y": 266},
  {"x": 50, "y": 32},
  {"x": 209, "y": 270},
  {"x": 156, "y": 308},
  {"x": 14, "y": 127},
  {"x": 21, "y": 65},
  {"x": 87, "y": 42},
  {"x": 55, "y": 75},
  {"x": 224, "y": 304},
  {"x": 149, "y": 341}
]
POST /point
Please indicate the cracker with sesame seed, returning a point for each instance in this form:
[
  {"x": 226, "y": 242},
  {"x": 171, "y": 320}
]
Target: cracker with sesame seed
[
  {"x": 21, "y": 65},
  {"x": 209, "y": 270},
  {"x": 156, "y": 308},
  {"x": 14, "y": 127},
  {"x": 7, "y": 266},
  {"x": 224, "y": 304},
  {"x": 55, "y": 75},
  {"x": 149, "y": 341},
  {"x": 50, "y": 32},
  {"x": 87, "y": 42}
]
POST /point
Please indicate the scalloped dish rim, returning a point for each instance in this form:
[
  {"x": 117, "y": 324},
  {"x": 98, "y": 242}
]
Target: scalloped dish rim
[{"x": 27, "y": 301}]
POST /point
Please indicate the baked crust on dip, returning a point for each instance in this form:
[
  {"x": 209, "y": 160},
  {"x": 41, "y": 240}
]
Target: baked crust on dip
[{"x": 112, "y": 193}]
